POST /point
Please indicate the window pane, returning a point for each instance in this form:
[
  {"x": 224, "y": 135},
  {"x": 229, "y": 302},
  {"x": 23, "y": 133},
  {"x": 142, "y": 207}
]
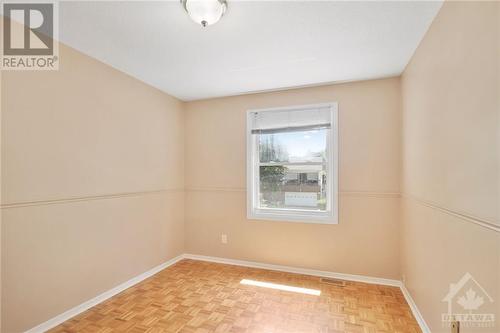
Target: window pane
[
  {"x": 293, "y": 187},
  {"x": 294, "y": 147}
]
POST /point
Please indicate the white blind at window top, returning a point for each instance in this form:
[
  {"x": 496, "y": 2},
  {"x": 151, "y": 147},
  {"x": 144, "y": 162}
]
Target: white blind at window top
[{"x": 291, "y": 120}]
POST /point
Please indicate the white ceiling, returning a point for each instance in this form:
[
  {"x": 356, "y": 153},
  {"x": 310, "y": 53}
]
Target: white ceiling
[{"x": 258, "y": 45}]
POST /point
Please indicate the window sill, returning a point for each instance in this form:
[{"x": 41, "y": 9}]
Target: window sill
[{"x": 292, "y": 217}]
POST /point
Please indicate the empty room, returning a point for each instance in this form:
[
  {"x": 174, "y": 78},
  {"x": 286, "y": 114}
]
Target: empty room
[{"x": 198, "y": 166}]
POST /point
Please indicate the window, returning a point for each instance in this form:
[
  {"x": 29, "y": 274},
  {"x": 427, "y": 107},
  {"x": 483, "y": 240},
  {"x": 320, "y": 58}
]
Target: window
[{"x": 292, "y": 164}]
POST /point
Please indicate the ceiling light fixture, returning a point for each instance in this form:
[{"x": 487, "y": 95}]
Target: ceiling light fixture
[{"x": 205, "y": 12}]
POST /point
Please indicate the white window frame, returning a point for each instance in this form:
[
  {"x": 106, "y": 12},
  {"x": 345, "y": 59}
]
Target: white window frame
[{"x": 331, "y": 216}]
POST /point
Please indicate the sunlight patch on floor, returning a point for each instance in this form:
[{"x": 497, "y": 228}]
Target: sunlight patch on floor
[{"x": 283, "y": 287}]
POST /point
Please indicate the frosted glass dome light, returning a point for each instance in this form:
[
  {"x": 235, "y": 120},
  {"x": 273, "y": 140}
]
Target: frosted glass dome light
[{"x": 205, "y": 12}]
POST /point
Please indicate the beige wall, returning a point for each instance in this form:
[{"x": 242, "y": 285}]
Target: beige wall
[
  {"x": 369, "y": 115},
  {"x": 92, "y": 191},
  {"x": 451, "y": 167}
]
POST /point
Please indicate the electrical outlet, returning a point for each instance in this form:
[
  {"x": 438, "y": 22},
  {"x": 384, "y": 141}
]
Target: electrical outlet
[
  {"x": 223, "y": 239},
  {"x": 455, "y": 327}
]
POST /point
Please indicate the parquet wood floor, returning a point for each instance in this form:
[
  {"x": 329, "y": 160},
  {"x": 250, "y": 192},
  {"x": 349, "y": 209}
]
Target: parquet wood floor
[{"x": 199, "y": 297}]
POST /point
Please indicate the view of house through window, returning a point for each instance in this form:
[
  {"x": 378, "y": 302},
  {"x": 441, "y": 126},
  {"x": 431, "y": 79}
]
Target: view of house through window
[{"x": 292, "y": 170}]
